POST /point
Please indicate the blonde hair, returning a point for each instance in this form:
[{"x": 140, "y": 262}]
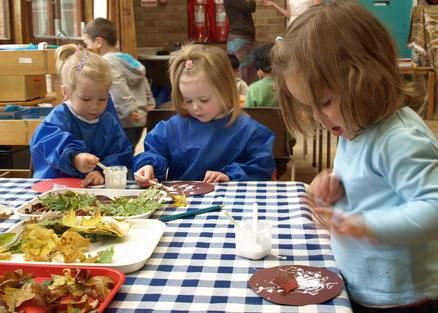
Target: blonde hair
[
  {"x": 341, "y": 47},
  {"x": 213, "y": 63},
  {"x": 74, "y": 62}
]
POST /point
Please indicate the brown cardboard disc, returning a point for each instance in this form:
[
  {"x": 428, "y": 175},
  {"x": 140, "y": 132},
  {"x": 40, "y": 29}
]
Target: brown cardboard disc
[
  {"x": 191, "y": 188},
  {"x": 315, "y": 285}
]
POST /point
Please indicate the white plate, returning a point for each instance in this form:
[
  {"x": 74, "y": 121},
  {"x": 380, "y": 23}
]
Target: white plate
[
  {"x": 130, "y": 252},
  {"x": 21, "y": 211}
]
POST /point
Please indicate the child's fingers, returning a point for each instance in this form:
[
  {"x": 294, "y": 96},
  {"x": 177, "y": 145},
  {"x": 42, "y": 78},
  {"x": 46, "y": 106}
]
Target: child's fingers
[
  {"x": 86, "y": 181},
  {"x": 208, "y": 177}
]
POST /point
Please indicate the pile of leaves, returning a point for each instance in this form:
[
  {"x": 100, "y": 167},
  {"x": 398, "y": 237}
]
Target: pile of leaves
[
  {"x": 74, "y": 291},
  {"x": 64, "y": 239},
  {"x": 89, "y": 204}
]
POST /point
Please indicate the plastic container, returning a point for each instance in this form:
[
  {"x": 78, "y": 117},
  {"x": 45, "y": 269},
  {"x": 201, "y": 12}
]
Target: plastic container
[
  {"x": 254, "y": 241},
  {"x": 43, "y": 273},
  {"x": 115, "y": 177}
]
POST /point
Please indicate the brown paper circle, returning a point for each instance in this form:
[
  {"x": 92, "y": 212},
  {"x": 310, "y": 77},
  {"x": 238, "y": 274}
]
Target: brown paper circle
[
  {"x": 191, "y": 188},
  {"x": 331, "y": 285}
]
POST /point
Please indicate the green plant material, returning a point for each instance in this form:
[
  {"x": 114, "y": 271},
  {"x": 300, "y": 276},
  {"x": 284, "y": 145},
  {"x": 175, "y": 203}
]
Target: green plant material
[
  {"x": 88, "y": 204},
  {"x": 6, "y": 238},
  {"x": 68, "y": 200},
  {"x": 105, "y": 256},
  {"x": 124, "y": 206}
]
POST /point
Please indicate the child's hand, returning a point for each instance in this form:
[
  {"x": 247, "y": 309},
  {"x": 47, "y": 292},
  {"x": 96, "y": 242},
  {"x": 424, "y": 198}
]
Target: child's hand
[
  {"x": 93, "y": 178},
  {"x": 215, "y": 177},
  {"x": 353, "y": 225},
  {"x": 327, "y": 187},
  {"x": 144, "y": 176},
  {"x": 85, "y": 162},
  {"x": 135, "y": 116}
]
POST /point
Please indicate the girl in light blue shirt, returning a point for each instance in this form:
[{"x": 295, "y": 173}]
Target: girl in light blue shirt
[{"x": 384, "y": 185}]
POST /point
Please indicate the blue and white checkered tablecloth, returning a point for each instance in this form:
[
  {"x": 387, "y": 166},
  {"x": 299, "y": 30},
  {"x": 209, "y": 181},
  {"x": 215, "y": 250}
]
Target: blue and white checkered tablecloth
[{"x": 194, "y": 267}]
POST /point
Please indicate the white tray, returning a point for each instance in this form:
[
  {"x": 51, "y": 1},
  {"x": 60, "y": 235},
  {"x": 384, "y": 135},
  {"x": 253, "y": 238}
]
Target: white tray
[
  {"x": 20, "y": 211},
  {"x": 130, "y": 252}
]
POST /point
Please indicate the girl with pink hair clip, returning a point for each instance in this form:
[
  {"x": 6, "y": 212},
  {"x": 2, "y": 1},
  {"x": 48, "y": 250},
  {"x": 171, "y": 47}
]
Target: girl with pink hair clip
[{"x": 209, "y": 139}]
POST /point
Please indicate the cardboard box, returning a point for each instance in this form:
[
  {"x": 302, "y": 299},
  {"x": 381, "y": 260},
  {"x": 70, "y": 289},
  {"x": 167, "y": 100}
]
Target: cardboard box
[
  {"x": 27, "y": 62},
  {"x": 22, "y": 88}
]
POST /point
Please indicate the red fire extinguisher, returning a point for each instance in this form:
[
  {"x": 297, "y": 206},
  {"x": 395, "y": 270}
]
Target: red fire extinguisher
[{"x": 201, "y": 21}]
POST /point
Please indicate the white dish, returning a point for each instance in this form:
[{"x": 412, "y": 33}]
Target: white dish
[
  {"x": 130, "y": 252},
  {"x": 21, "y": 211}
]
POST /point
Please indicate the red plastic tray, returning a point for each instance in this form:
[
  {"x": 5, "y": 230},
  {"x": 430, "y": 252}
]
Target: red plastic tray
[{"x": 44, "y": 273}]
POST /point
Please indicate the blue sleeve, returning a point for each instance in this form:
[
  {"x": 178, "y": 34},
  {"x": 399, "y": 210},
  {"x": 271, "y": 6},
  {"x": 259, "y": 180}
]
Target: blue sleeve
[
  {"x": 410, "y": 160},
  {"x": 258, "y": 161},
  {"x": 155, "y": 151},
  {"x": 57, "y": 147},
  {"x": 120, "y": 152}
]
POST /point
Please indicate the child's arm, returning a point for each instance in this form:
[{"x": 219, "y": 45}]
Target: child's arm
[
  {"x": 258, "y": 163},
  {"x": 408, "y": 161},
  {"x": 155, "y": 152},
  {"x": 121, "y": 94},
  {"x": 57, "y": 147},
  {"x": 150, "y": 100}
]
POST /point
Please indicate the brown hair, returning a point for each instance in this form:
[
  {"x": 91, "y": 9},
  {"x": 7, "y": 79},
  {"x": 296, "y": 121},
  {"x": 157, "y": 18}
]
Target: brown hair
[
  {"x": 74, "y": 63},
  {"x": 342, "y": 47},
  {"x": 213, "y": 63},
  {"x": 101, "y": 27}
]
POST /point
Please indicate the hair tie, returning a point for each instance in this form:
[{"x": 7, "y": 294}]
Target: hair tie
[
  {"x": 188, "y": 65},
  {"x": 82, "y": 62}
]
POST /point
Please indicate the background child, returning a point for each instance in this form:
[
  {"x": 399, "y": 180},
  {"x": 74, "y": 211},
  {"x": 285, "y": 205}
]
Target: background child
[
  {"x": 209, "y": 139},
  {"x": 80, "y": 132},
  {"x": 262, "y": 93},
  {"x": 242, "y": 87},
  {"x": 385, "y": 178},
  {"x": 130, "y": 89}
]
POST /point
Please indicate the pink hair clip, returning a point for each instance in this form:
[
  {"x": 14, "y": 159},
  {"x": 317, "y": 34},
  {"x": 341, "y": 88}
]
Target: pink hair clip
[
  {"x": 82, "y": 62},
  {"x": 188, "y": 65}
]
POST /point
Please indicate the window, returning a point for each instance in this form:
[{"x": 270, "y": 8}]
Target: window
[
  {"x": 57, "y": 19},
  {"x": 5, "y": 21}
]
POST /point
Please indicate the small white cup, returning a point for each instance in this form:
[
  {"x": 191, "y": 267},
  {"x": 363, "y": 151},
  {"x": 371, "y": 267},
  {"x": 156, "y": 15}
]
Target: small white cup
[
  {"x": 253, "y": 242},
  {"x": 115, "y": 177}
]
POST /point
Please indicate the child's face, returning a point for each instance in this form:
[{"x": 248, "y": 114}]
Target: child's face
[
  {"x": 89, "y": 99},
  {"x": 330, "y": 116},
  {"x": 200, "y": 100}
]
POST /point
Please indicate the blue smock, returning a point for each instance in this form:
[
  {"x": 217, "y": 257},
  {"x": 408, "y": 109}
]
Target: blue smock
[
  {"x": 188, "y": 148},
  {"x": 61, "y": 136}
]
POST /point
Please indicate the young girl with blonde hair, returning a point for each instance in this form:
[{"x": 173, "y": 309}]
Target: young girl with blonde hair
[
  {"x": 79, "y": 133},
  {"x": 340, "y": 64},
  {"x": 209, "y": 139}
]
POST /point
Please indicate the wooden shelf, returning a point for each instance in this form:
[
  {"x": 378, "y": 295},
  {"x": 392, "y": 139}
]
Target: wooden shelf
[{"x": 33, "y": 102}]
